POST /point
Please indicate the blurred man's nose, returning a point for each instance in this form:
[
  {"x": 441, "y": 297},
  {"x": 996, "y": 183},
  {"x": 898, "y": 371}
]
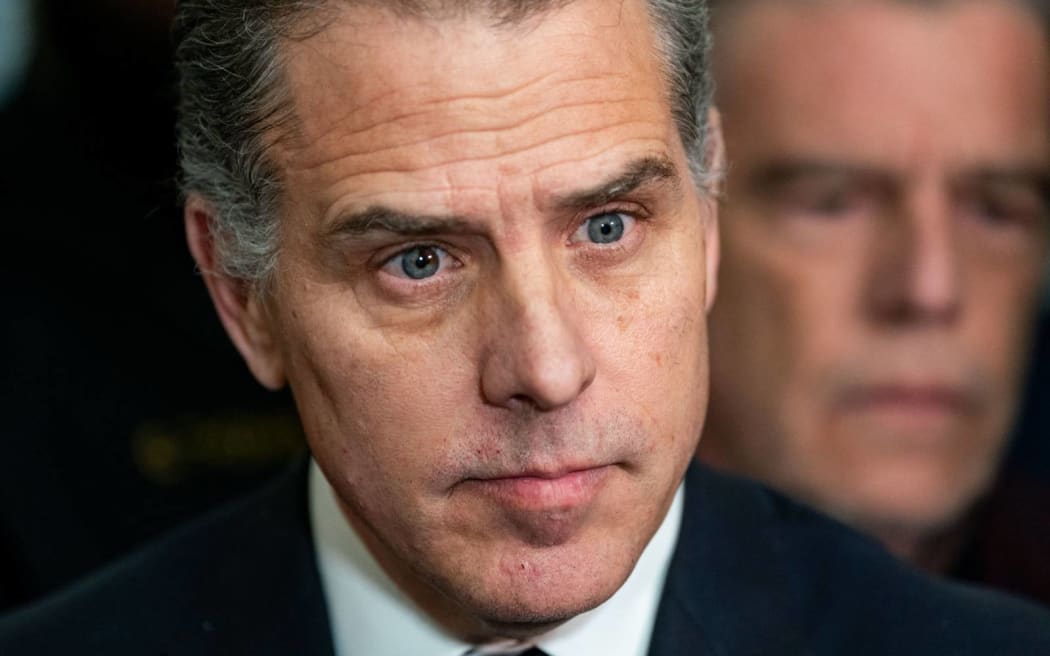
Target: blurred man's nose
[
  {"x": 917, "y": 277},
  {"x": 536, "y": 354}
]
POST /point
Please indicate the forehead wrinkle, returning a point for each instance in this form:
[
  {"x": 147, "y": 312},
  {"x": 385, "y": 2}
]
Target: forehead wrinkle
[
  {"x": 450, "y": 190},
  {"x": 324, "y": 64},
  {"x": 371, "y": 156},
  {"x": 415, "y": 109},
  {"x": 351, "y": 198},
  {"x": 546, "y": 111},
  {"x": 408, "y": 99}
]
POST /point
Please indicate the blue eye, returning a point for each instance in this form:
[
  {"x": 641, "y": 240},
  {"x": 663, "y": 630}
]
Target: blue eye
[
  {"x": 417, "y": 263},
  {"x": 605, "y": 228}
]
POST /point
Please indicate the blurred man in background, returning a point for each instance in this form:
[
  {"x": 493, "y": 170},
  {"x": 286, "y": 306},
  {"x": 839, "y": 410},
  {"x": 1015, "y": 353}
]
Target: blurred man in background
[{"x": 884, "y": 246}]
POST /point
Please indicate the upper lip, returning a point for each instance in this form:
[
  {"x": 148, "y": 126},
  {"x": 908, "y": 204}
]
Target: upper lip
[{"x": 546, "y": 473}]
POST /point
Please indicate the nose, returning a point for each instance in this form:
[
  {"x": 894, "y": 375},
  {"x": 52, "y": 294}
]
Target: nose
[
  {"x": 536, "y": 356},
  {"x": 918, "y": 277}
]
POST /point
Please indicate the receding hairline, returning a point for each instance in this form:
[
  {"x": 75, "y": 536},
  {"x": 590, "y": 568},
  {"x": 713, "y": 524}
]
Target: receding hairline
[
  {"x": 235, "y": 102},
  {"x": 501, "y": 14}
]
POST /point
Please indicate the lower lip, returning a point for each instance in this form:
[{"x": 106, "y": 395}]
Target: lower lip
[
  {"x": 933, "y": 399},
  {"x": 572, "y": 490}
]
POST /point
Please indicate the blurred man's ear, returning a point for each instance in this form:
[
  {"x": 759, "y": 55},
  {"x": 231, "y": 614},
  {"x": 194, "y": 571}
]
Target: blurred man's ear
[
  {"x": 240, "y": 307},
  {"x": 716, "y": 164}
]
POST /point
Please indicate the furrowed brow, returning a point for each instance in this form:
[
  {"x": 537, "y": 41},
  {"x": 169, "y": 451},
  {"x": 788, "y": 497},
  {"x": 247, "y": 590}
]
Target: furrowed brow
[
  {"x": 378, "y": 219},
  {"x": 1032, "y": 177},
  {"x": 638, "y": 174},
  {"x": 777, "y": 174}
]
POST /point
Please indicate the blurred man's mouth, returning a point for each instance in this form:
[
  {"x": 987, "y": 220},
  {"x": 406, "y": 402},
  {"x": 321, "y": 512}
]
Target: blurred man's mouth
[{"x": 903, "y": 406}]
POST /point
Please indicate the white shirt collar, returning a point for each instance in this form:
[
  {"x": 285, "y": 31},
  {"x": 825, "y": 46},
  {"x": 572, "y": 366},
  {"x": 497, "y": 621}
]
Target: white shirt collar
[{"x": 370, "y": 615}]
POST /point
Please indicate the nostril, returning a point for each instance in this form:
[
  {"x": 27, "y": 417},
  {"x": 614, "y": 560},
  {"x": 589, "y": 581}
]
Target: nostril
[{"x": 540, "y": 376}]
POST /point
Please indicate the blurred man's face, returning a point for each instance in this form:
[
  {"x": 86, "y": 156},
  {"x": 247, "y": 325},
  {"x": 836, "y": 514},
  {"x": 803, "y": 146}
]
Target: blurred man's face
[
  {"x": 884, "y": 238},
  {"x": 490, "y": 302}
]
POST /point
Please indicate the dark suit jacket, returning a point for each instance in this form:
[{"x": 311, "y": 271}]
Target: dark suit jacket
[
  {"x": 753, "y": 573},
  {"x": 1009, "y": 546}
]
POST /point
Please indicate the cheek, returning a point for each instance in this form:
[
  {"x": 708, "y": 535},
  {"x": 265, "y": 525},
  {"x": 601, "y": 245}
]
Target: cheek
[
  {"x": 780, "y": 315},
  {"x": 1001, "y": 316},
  {"x": 373, "y": 402},
  {"x": 655, "y": 353}
]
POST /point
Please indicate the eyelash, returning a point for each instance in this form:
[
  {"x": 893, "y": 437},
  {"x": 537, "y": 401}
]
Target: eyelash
[
  {"x": 392, "y": 257},
  {"x": 635, "y": 213},
  {"x": 454, "y": 260}
]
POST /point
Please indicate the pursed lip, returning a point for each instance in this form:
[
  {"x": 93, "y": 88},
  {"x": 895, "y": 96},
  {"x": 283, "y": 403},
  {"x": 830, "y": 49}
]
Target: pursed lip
[{"x": 543, "y": 489}]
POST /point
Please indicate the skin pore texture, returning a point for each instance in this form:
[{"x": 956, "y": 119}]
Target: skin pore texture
[
  {"x": 884, "y": 239},
  {"x": 490, "y": 301}
]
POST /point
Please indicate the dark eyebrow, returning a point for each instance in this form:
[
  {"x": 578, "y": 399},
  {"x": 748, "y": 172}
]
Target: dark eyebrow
[
  {"x": 777, "y": 174},
  {"x": 639, "y": 173},
  {"x": 1035, "y": 177},
  {"x": 383, "y": 219}
]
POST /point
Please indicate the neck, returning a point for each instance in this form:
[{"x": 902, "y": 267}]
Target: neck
[{"x": 937, "y": 552}]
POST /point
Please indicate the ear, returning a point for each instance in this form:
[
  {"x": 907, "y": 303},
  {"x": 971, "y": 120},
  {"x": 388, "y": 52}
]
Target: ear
[
  {"x": 239, "y": 304},
  {"x": 716, "y": 164}
]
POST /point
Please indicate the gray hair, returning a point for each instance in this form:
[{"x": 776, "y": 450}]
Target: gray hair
[{"x": 232, "y": 98}]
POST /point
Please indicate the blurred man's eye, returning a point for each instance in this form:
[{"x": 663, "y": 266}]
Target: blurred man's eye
[
  {"x": 831, "y": 204},
  {"x": 1014, "y": 206},
  {"x": 824, "y": 201}
]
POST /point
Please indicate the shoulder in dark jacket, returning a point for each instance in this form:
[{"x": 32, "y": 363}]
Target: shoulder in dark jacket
[
  {"x": 241, "y": 580},
  {"x": 753, "y": 573},
  {"x": 757, "y": 573}
]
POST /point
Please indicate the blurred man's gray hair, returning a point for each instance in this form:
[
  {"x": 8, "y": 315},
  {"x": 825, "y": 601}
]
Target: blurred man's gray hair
[{"x": 233, "y": 100}]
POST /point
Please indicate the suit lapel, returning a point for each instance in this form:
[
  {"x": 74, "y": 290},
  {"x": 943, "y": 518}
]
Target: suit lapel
[
  {"x": 727, "y": 590},
  {"x": 280, "y": 608},
  {"x": 679, "y": 628}
]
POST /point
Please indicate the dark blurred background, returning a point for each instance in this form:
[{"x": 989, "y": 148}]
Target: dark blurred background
[{"x": 124, "y": 408}]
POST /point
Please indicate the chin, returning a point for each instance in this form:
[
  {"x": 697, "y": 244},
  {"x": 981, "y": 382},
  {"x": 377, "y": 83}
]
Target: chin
[
  {"x": 536, "y": 590},
  {"x": 913, "y": 501},
  {"x": 522, "y": 623}
]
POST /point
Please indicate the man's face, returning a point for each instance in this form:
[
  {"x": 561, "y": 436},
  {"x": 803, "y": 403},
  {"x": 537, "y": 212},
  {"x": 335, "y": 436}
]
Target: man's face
[
  {"x": 490, "y": 300},
  {"x": 883, "y": 240}
]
